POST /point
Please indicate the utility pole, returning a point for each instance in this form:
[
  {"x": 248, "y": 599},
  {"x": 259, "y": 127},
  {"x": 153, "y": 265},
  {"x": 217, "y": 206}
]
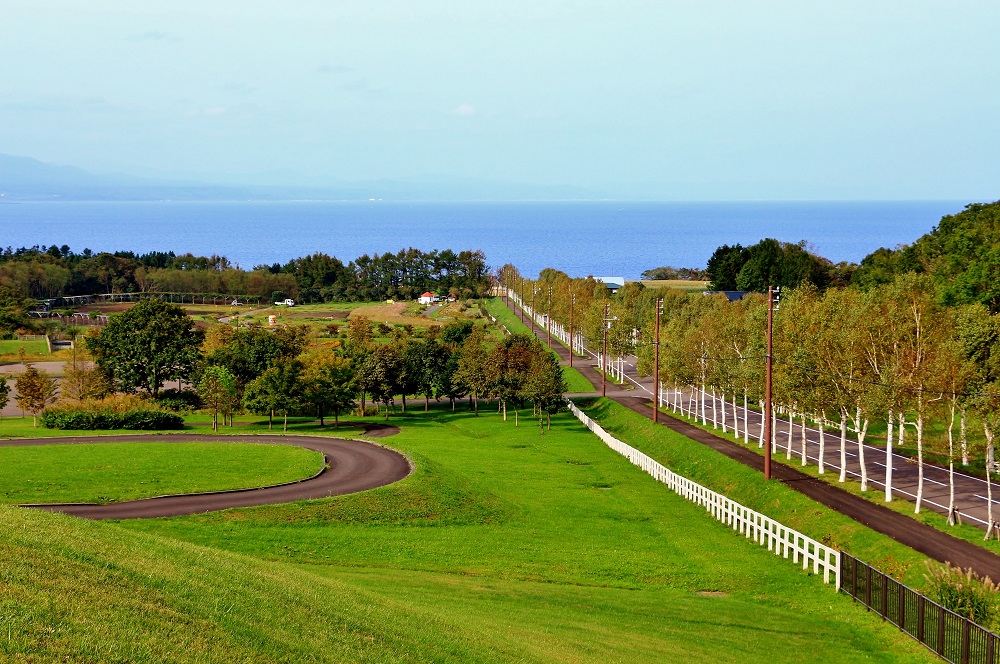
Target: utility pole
[
  {"x": 768, "y": 362},
  {"x": 548, "y": 320},
  {"x": 521, "y": 304},
  {"x": 604, "y": 348},
  {"x": 534, "y": 291},
  {"x": 572, "y": 303},
  {"x": 656, "y": 362}
]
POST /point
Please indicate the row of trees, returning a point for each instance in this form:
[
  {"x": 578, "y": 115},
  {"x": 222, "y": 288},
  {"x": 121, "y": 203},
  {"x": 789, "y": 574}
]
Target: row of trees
[
  {"x": 286, "y": 371},
  {"x": 49, "y": 272},
  {"x": 844, "y": 357}
]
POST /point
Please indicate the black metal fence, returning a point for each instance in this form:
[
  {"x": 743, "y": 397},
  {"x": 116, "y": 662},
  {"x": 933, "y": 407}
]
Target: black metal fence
[{"x": 954, "y": 638}]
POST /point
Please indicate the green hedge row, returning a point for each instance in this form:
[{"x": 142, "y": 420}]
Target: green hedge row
[{"x": 141, "y": 419}]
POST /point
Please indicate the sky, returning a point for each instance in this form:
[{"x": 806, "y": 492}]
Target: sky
[{"x": 661, "y": 100}]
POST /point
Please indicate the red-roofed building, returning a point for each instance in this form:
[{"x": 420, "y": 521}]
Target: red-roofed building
[{"x": 428, "y": 298}]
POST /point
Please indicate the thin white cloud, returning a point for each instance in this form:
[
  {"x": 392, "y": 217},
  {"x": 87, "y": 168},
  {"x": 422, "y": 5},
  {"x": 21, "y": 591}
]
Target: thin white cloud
[
  {"x": 214, "y": 111},
  {"x": 465, "y": 110}
]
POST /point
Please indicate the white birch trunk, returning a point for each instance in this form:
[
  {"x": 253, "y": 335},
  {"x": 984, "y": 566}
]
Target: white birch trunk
[
  {"x": 902, "y": 428},
  {"x": 804, "y": 439},
  {"x": 736, "y": 419},
  {"x": 920, "y": 457},
  {"x": 723, "y": 412},
  {"x": 888, "y": 459},
  {"x": 861, "y": 428},
  {"x": 714, "y": 412},
  {"x": 951, "y": 465},
  {"x": 989, "y": 484},
  {"x": 704, "y": 419},
  {"x": 964, "y": 440},
  {"x": 746, "y": 422},
  {"x": 791, "y": 426},
  {"x": 843, "y": 446},
  {"x": 774, "y": 431},
  {"x": 822, "y": 442},
  {"x": 760, "y": 438}
]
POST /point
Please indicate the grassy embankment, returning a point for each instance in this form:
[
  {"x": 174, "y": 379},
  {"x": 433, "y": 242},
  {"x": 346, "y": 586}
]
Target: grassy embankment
[
  {"x": 112, "y": 472},
  {"x": 505, "y": 545},
  {"x": 575, "y": 381}
]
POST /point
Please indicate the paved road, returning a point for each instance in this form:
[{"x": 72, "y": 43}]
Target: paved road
[
  {"x": 354, "y": 466},
  {"x": 932, "y": 542}
]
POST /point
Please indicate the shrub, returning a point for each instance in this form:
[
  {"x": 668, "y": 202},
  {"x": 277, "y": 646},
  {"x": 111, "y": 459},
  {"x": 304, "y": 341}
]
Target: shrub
[
  {"x": 115, "y": 412},
  {"x": 965, "y": 593},
  {"x": 178, "y": 400}
]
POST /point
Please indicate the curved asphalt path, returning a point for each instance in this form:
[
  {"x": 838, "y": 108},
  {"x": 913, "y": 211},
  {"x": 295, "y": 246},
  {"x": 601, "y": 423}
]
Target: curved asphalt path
[{"x": 354, "y": 465}]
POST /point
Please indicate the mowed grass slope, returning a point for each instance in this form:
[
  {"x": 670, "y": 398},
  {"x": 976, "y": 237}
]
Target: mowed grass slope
[{"x": 505, "y": 545}]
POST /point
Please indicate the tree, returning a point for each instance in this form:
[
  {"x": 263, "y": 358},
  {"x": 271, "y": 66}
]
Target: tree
[
  {"x": 4, "y": 394},
  {"x": 146, "y": 345},
  {"x": 329, "y": 384},
  {"x": 217, "y": 390},
  {"x": 35, "y": 391},
  {"x": 277, "y": 390},
  {"x": 546, "y": 387}
]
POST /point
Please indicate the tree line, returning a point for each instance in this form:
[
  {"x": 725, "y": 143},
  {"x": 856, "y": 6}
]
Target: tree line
[
  {"x": 286, "y": 371},
  {"x": 42, "y": 272}
]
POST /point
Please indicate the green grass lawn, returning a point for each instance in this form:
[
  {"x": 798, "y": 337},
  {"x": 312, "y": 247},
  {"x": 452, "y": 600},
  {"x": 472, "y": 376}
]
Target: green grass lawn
[
  {"x": 34, "y": 348},
  {"x": 21, "y": 427},
  {"x": 505, "y": 545},
  {"x": 110, "y": 472}
]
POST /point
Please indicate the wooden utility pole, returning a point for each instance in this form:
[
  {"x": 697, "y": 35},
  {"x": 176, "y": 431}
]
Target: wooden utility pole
[
  {"x": 767, "y": 384},
  {"x": 604, "y": 350},
  {"x": 548, "y": 320},
  {"x": 656, "y": 362},
  {"x": 572, "y": 303},
  {"x": 520, "y": 305}
]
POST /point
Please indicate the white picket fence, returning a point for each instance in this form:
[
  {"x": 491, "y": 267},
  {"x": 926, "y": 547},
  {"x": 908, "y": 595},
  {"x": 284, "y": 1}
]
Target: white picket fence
[{"x": 780, "y": 539}]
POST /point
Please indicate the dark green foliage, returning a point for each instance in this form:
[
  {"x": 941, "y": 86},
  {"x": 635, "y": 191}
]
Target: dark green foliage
[
  {"x": 724, "y": 266},
  {"x": 178, "y": 401},
  {"x": 48, "y": 272},
  {"x": 82, "y": 418},
  {"x": 767, "y": 263},
  {"x": 667, "y": 273},
  {"x": 961, "y": 254},
  {"x": 145, "y": 346}
]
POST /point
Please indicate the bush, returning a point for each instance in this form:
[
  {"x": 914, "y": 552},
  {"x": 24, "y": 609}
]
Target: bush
[
  {"x": 178, "y": 401},
  {"x": 115, "y": 412},
  {"x": 965, "y": 593}
]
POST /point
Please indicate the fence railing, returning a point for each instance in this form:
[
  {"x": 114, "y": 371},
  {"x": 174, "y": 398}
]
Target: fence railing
[
  {"x": 780, "y": 539},
  {"x": 955, "y": 638}
]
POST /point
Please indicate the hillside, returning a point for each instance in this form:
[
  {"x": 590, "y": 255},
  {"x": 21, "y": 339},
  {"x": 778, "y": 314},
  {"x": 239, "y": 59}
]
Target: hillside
[{"x": 505, "y": 545}]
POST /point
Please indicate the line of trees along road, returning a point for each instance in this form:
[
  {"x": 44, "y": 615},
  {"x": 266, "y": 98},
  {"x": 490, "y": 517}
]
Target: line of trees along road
[
  {"x": 287, "y": 372},
  {"x": 911, "y": 348}
]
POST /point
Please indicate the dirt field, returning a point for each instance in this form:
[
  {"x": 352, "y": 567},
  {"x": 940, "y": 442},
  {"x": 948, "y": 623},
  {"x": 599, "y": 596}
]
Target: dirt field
[{"x": 679, "y": 284}]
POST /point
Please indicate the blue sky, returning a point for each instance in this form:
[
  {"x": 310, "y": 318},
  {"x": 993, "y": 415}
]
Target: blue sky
[{"x": 705, "y": 100}]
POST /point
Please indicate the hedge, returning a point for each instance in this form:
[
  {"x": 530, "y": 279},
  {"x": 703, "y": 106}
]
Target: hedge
[{"x": 138, "y": 418}]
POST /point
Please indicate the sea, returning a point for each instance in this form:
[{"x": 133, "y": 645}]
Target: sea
[{"x": 579, "y": 238}]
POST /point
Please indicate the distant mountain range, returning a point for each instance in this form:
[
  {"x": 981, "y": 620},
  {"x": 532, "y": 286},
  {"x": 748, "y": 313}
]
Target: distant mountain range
[{"x": 27, "y": 179}]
